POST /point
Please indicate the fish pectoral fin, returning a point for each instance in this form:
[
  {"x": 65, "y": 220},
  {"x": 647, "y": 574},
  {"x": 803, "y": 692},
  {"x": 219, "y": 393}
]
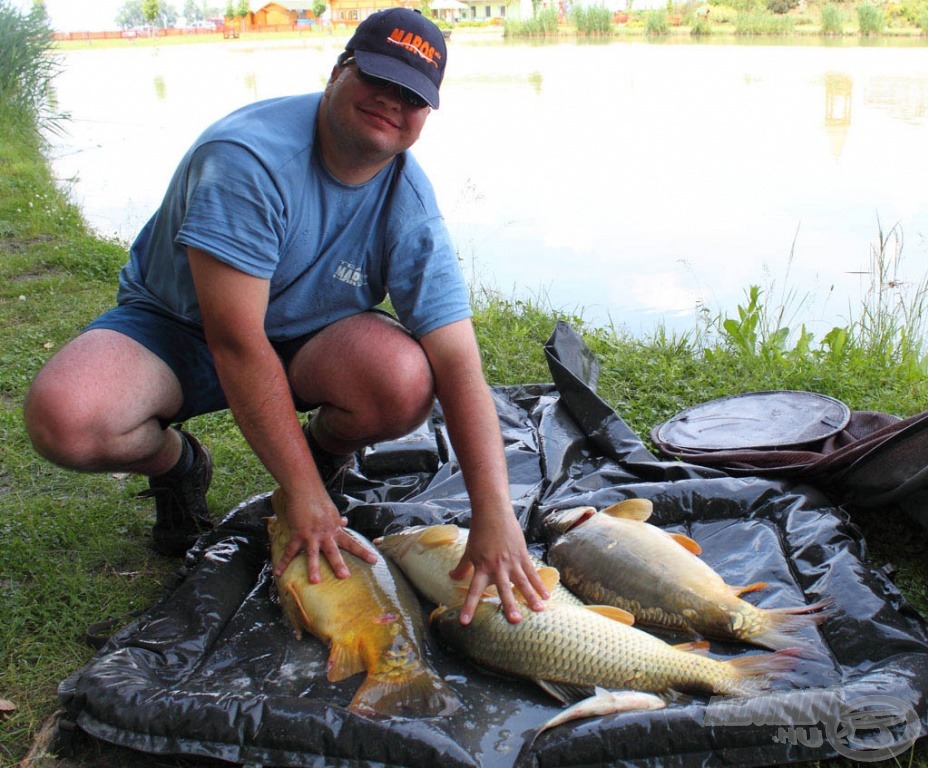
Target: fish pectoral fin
[
  {"x": 686, "y": 542},
  {"x": 631, "y": 509},
  {"x": 439, "y": 535},
  {"x": 611, "y": 612},
  {"x": 292, "y": 596},
  {"x": 344, "y": 661},
  {"x": 757, "y": 585},
  {"x": 565, "y": 692},
  {"x": 699, "y": 647}
]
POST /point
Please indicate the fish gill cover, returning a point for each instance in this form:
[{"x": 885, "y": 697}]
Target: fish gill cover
[{"x": 214, "y": 671}]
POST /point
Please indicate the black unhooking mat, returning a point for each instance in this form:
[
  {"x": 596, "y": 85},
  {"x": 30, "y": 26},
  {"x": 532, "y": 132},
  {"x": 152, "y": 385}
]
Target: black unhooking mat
[{"x": 213, "y": 671}]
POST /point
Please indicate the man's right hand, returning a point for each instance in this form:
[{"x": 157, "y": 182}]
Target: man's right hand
[{"x": 318, "y": 529}]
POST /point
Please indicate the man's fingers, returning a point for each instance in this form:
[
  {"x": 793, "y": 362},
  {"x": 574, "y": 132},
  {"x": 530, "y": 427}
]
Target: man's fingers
[
  {"x": 462, "y": 570},
  {"x": 290, "y": 551},
  {"x": 532, "y": 588},
  {"x": 334, "y": 555},
  {"x": 478, "y": 585},
  {"x": 350, "y": 544},
  {"x": 312, "y": 565}
]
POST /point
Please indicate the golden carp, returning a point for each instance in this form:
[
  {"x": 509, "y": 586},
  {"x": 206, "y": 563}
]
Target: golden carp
[
  {"x": 615, "y": 558},
  {"x": 565, "y": 648},
  {"x": 426, "y": 554},
  {"x": 371, "y": 620}
]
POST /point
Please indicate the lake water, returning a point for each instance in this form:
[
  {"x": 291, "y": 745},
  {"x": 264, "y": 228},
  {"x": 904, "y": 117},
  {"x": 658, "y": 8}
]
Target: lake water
[{"x": 629, "y": 182}]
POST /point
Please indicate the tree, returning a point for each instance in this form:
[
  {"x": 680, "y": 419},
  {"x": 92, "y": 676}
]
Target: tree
[
  {"x": 130, "y": 15},
  {"x": 151, "y": 10},
  {"x": 192, "y": 11},
  {"x": 319, "y": 7},
  {"x": 242, "y": 11}
]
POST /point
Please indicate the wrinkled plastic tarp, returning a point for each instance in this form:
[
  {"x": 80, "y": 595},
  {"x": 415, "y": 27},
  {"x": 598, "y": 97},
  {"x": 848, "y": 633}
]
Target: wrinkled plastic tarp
[{"x": 214, "y": 671}]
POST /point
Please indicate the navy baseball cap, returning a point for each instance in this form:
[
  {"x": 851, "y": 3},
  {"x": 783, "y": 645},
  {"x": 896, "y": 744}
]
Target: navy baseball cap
[{"x": 404, "y": 47}]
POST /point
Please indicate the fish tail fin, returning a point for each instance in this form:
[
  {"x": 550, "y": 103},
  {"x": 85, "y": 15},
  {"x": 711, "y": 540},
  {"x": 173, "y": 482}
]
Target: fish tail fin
[
  {"x": 753, "y": 673},
  {"x": 781, "y": 624},
  {"x": 424, "y": 694}
]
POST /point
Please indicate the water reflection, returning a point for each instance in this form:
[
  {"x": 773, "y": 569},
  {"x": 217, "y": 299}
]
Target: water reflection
[
  {"x": 636, "y": 182},
  {"x": 838, "y": 88},
  {"x": 903, "y": 97}
]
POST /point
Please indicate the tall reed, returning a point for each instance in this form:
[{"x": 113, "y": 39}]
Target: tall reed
[
  {"x": 832, "y": 20},
  {"x": 27, "y": 67},
  {"x": 870, "y": 19},
  {"x": 656, "y": 24},
  {"x": 592, "y": 20}
]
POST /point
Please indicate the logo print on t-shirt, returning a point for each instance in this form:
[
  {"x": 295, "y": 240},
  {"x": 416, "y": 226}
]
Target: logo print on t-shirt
[{"x": 351, "y": 274}]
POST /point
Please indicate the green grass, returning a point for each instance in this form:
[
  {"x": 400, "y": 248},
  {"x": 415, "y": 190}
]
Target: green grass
[{"x": 75, "y": 549}]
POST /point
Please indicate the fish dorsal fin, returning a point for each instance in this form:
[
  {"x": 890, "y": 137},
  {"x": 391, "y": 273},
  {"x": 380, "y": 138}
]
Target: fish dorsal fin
[
  {"x": 757, "y": 585},
  {"x": 611, "y": 612},
  {"x": 631, "y": 509},
  {"x": 686, "y": 542},
  {"x": 439, "y": 535},
  {"x": 699, "y": 647}
]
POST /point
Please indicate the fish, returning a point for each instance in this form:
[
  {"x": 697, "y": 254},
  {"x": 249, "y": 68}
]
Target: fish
[
  {"x": 615, "y": 557},
  {"x": 603, "y": 702},
  {"x": 568, "y": 651},
  {"x": 372, "y": 622},
  {"x": 427, "y": 553}
]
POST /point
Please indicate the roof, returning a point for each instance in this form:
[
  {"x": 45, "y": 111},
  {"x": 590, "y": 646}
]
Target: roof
[{"x": 291, "y": 5}]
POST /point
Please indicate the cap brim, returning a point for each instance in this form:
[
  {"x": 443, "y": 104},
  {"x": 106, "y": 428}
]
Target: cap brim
[{"x": 396, "y": 71}]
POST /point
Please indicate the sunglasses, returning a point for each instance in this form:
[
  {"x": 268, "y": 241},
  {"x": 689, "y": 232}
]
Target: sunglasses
[{"x": 408, "y": 96}]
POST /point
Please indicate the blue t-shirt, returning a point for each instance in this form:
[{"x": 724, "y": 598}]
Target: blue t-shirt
[{"x": 254, "y": 193}]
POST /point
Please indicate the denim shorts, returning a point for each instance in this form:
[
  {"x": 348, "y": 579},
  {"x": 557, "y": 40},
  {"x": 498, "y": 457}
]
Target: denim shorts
[{"x": 182, "y": 346}]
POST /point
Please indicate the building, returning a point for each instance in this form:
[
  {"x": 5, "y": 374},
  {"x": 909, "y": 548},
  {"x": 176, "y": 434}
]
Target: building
[
  {"x": 284, "y": 12},
  {"x": 348, "y": 12}
]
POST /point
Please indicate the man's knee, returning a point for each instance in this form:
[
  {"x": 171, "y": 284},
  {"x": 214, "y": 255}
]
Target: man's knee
[
  {"x": 57, "y": 426},
  {"x": 408, "y": 394}
]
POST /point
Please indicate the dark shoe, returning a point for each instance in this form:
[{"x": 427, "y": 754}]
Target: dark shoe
[
  {"x": 181, "y": 511},
  {"x": 331, "y": 466}
]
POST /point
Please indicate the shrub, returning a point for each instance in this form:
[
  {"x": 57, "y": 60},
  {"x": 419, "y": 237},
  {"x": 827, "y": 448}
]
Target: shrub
[
  {"x": 701, "y": 28},
  {"x": 870, "y": 19},
  {"x": 656, "y": 24},
  {"x": 762, "y": 23},
  {"x": 542, "y": 25},
  {"x": 832, "y": 20},
  {"x": 781, "y": 6},
  {"x": 592, "y": 20}
]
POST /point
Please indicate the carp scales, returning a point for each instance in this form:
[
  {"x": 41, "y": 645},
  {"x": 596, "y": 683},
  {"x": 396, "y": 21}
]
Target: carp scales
[
  {"x": 372, "y": 622},
  {"x": 615, "y": 558},
  {"x": 565, "y": 649},
  {"x": 427, "y": 553}
]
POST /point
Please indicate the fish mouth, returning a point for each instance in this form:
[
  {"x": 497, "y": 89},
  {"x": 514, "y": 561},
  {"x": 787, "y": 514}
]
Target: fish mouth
[{"x": 567, "y": 519}]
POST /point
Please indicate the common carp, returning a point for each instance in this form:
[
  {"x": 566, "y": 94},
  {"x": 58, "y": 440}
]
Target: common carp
[
  {"x": 427, "y": 553},
  {"x": 615, "y": 558},
  {"x": 371, "y": 620},
  {"x": 564, "y": 648}
]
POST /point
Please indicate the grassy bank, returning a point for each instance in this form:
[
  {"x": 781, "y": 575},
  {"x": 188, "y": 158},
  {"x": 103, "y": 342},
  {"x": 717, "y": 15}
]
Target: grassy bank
[{"x": 75, "y": 549}]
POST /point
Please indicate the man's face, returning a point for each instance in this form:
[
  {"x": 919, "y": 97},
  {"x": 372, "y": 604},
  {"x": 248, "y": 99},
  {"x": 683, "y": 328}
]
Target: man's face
[{"x": 370, "y": 122}]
